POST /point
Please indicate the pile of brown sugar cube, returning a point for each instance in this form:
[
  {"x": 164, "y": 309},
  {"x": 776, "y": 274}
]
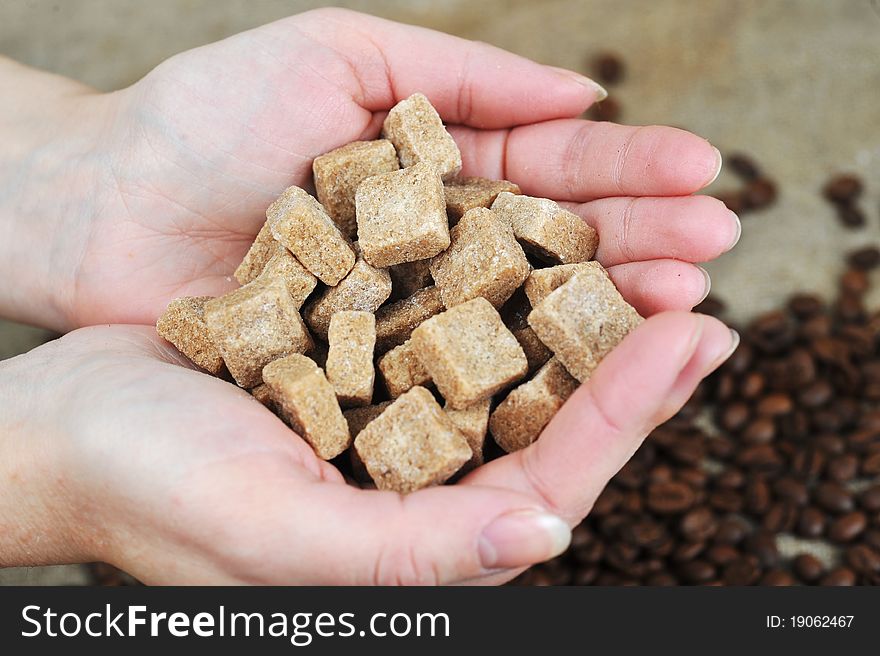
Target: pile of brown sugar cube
[{"x": 479, "y": 307}]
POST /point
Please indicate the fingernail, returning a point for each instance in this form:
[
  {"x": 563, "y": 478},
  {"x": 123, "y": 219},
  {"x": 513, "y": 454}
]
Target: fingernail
[
  {"x": 722, "y": 357},
  {"x": 595, "y": 87},
  {"x": 708, "y": 283},
  {"x": 523, "y": 538},
  {"x": 739, "y": 230},
  {"x": 720, "y": 163}
]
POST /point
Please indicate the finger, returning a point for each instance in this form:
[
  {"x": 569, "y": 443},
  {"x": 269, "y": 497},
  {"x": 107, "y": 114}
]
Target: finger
[
  {"x": 468, "y": 82},
  {"x": 661, "y": 285},
  {"x": 434, "y": 536},
  {"x": 637, "y": 386},
  {"x": 689, "y": 228},
  {"x": 575, "y": 160}
]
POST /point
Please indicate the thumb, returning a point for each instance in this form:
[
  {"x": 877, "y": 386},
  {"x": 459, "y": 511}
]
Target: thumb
[
  {"x": 643, "y": 382},
  {"x": 434, "y": 536}
]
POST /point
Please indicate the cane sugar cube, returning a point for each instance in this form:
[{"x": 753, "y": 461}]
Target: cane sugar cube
[
  {"x": 469, "y": 353},
  {"x": 339, "y": 172},
  {"x": 537, "y": 354},
  {"x": 352, "y": 337},
  {"x": 254, "y": 325},
  {"x": 357, "y": 419},
  {"x": 308, "y": 402},
  {"x": 299, "y": 282},
  {"x": 483, "y": 259},
  {"x": 410, "y": 277},
  {"x": 401, "y": 216},
  {"x": 395, "y": 322},
  {"x": 365, "y": 288},
  {"x": 263, "y": 394},
  {"x": 183, "y": 324},
  {"x": 519, "y": 419},
  {"x": 541, "y": 282},
  {"x": 412, "y": 444},
  {"x": 299, "y": 222},
  {"x": 464, "y": 194},
  {"x": 547, "y": 230},
  {"x": 402, "y": 370},
  {"x": 261, "y": 251},
  {"x": 472, "y": 422},
  {"x": 582, "y": 320},
  {"x": 415, "y": 129}
]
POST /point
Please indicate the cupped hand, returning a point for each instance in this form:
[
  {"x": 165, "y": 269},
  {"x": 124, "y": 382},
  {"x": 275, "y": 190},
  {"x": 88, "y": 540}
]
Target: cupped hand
[
  {"x": 191, "y": 156},
  {"x": 179, "y": 477}
]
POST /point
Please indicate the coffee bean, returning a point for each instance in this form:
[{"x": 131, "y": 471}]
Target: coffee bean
[
  {"x": 811, "y": 523},
  {"x": 808, "y": 568},
  {"x": 645, "y": 533},
  {"x": 863, "y": 559},
  {"x": 851, "y": 216},
  {"x": 848, "y": 527},
  {"x": 869, "y": 499},
  {"x": 605, "y": 110},
  {"x": 722, "y": 554},
  {"x": 843, "y": 188},
  {"x": 686, "y": 551},
  {"x": 697, "y": 525},
  {"x": 734, "y": 416},
  {"x": 752, "y": 385},
  {"x": 740, "y": 360},
  {"x": 815, "y": 394},
  {"x": 854, "y": 282},
  {"x": 731, "y": 530},
  {"x": 585, "y": 575},
  {"x": 866, "y": 258},
  {"x": 775, "y": 404},
  {"x": 757, "y": 496},
  {"x": 760, "y": 458},
  {"x": 871, "y": 465},
  {"x": 760, "y": 430},
  {"x": 697, "y": 571},
  {"x": 670, "y": 498},
  {"x": 726, "y": 501},
  {"x": 781, "y": 516},
  {"x": 743, "y": 166},
  {"x": 661, "y": 579},
  {"x": 808, "y": 462},
  {"x": 791, "y": 489},
  {"x": 839, "y": 576},
  {"x": 843, "y": 468},
  {"x": 777, "y": 577},
  {"x": 759, "y": 193},
  {"x": 804, "y": 306},
  {"x": 833, "y": 498},
  {"x": 608, "y": 68},
  {"x": 742, "y": 571}
]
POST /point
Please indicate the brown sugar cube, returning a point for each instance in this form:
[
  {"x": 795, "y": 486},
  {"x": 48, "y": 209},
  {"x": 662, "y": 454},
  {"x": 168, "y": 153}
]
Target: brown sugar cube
[
  {"x": 263, "y": 394},
  {"x": 402, "y": 370},
  {"x": 541, "y": 282},
  {"x": 308, "y": 402},
  {"x": 582, "y": 320},
  {"x": 260, "y": 252},
  {"x": 520, "y": 418},
  {"x": 299, "y": 282},
  {"x": 415, "y": 129},
  {"x": 183, "y": 324},
  {"x": 463, "y": 194},
  {"x": 537, "y": 354},
  {"x": 365, "y": 288},
  {"x": 357, "y": 419},
  {"x": 469, "y": 353},
  {"x": 483, "y": 259},
  {"x": 401, "y": 216},
  {"x": 254, "y": 325},
  {"x": 547, "y": 230},
  {"x": 472, "y": 422},
  {"x": 412, "y": 444},
  {"x": 339, "y": 172},
  {"x": 395, "y": 322},
  {"x": 352, "y": 337},
  {"x": 300, "y": 223},
  {"x": 410, "y": 277}
]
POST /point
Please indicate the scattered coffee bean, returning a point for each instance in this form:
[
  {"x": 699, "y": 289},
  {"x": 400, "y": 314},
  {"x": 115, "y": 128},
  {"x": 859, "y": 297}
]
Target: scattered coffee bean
[
  {"x": 808, "y": 568},
  {"x": 608, "y": 68},
  {"x": 848, "y": 527},
  {"x": 843, "y": 188},
  {"x": 866, "y": 258},
  {"x": 743, "y": 166}
]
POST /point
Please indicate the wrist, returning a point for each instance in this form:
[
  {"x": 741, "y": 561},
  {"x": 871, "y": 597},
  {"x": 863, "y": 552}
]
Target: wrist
[
  {"x": 40, "y": 523},
  {"x": 50, "y": 189}
]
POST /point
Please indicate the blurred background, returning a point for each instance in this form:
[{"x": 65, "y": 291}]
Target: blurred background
[{"x": 794, "y": 84}]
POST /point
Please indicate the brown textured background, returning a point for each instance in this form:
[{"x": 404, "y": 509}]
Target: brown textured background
[{"x": 792, "y": 82}]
